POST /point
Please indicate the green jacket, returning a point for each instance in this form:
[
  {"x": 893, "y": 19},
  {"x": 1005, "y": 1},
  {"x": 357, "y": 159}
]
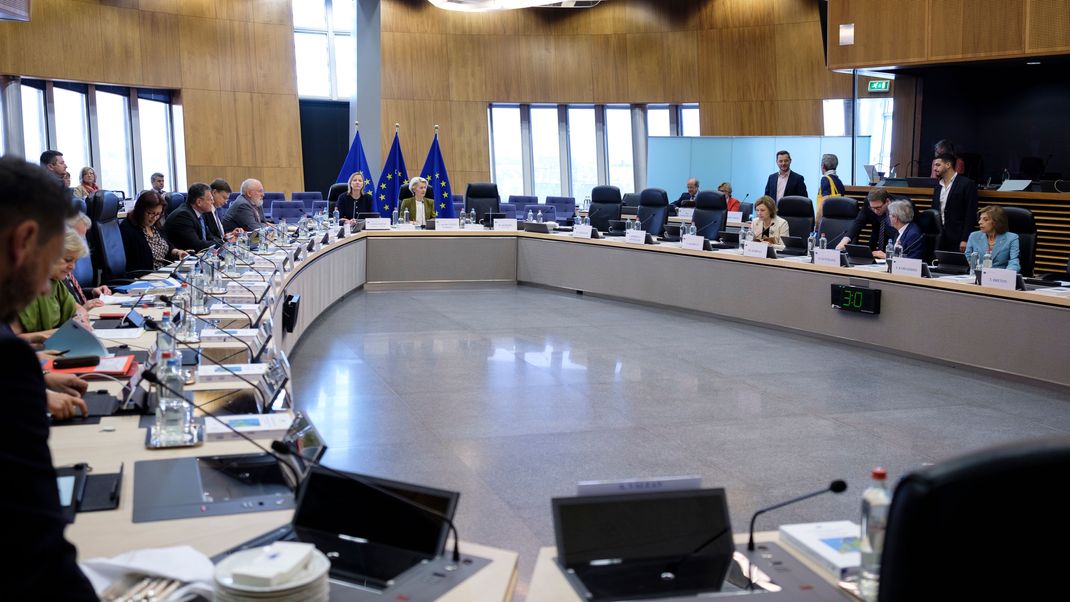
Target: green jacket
[
  {"x": 410, "y": 204},
  {"x": 49, "y": 311}
]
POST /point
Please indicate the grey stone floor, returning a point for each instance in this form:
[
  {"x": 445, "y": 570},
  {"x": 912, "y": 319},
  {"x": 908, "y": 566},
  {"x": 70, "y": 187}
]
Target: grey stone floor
[{"x": 511, "y": 395}]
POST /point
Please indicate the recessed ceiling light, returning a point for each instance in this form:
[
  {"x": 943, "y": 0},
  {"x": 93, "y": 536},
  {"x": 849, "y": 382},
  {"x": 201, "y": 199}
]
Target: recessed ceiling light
[{"x": 1033, "y": 63}]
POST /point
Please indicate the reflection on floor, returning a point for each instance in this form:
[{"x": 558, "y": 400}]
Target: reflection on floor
[{"x": 511, "y": 395}]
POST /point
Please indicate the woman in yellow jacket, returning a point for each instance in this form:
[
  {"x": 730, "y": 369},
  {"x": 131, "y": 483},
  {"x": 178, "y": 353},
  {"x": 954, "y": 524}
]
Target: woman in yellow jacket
[{"x": 420, "y": 208}]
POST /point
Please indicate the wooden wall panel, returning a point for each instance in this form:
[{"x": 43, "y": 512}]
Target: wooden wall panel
[
  {"x": 609, "y": 68},
  {"x": 120, "y": 43},
  {"x": 886, "y": 33},
  {"x": 1049, "y": 25},
  {"x": 159, "y": 41},
  {"x": 275, "y": 68},
  {"x": 274, "y": 138},
  {"x": 200, "y": 41},
  {"x": 239, "y": 51},
  {"x": 976, "y": 28},
  {"x": 646, "y": 67}
]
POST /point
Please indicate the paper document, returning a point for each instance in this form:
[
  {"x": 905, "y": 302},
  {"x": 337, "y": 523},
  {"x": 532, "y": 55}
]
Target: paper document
[
  {"x": 1014, "y": 185},
  {"x": 118, "y": 334}
]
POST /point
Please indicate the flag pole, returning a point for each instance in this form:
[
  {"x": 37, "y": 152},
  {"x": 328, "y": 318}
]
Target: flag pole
[{"x": 397, "y": 127}]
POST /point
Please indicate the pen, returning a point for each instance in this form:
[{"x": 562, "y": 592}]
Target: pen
[
  {"x": 62, "y": 353},
  {"x": 118, "y": 481}
]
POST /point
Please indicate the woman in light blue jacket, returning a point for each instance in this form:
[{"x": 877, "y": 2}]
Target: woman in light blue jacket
[{"x": 993, "y": 238}]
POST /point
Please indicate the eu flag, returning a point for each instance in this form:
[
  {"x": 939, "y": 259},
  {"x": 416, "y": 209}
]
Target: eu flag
[
  {"x": 356, "y": 161},
  {"x": 438, "y": 181},
  {"x": 391, "y": 180}
]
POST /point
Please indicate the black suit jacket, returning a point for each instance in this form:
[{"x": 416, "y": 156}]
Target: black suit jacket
[
  {"x": 43, "y": 564},
  {"x": 214, "y": 235},
  {"x": 350, "y": 207},
  {"x": 183, "y": 229},
  {"x": 866, "y": 216},
  {"x": 960, "y": 215},
  {"x": 685, "y": 200},
  {"x": 796, "y": 185},
  {"x": 138, "y": 253}
]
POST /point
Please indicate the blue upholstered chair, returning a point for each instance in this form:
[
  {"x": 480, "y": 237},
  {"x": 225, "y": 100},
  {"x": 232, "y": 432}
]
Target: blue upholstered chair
[
  {"x": 288, "y": 210},
  {"x": 175, "y": 200},
  {"x": 565, "y": 206},
  {"x": 521, "y": 199},
  {"x": 307, "y": 198}
]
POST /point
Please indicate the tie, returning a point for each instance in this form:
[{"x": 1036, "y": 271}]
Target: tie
[
  {"x": 218, "y": 224},
  {"x": 882, "y": 239},
  {"x": 204, "y": 232}
]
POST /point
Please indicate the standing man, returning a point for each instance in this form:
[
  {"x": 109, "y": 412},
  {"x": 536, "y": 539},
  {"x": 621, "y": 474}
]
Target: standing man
[
  {"x": 187, "y": 226},
  {"x": 687, "y": 199},
  {"x": 955, "y": 197},
  {"x": 33, "y": 207},
  {"x": 157, "y": 184},
  {"x": 247, "y": 211},
  {"x": 785, "y": 182},
  {"x": 875, "y": 214}
]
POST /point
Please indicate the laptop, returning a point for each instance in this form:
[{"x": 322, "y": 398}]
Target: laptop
[
  {"x": 793, "y": 245},
  {"x": 859, "y": 255},
  {"x": 871, "y": 171},
  {"x": 645, "y": 545},
  {"x": 951, "y": 263}
]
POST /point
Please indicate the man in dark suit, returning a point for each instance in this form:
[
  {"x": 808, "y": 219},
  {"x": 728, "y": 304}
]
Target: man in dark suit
[
  {"x": 247, "y": 211},
  {"x": 33, "y": 207},
  {"x": 908, "y": 234},
  {"x": 187, "y": 226},
  {"x": 955, "y": 197},
  {"x": 784, "y": 182},
  {"x": 875, "y": 213},
  {"x": 687, "y": 199}
]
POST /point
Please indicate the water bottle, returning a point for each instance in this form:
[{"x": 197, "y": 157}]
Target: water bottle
[
  {"x": 692, "y": 230},
  {"x": 538, "y": 218},
  {"x": 472, "y": 216},
  {"x": 394, "y": 217},
  {"x": 975, "y": 262},
  {"x": 406, "y": 218},
  {"x": 744, "y": 236},
  {"x": 284, "y": 229},
  {"x": 181, "y": 296},
  {"x": 165, "y": 342},
  {"x": 898, "y": 250},
  {"x": 875, "y": 502},
  {"x": 811, "y": 244},
  {"x": 586, "y": 203},
  {"x": 196, "y": 295},
  {"x": 1006, "y": 174},
  {"x": 823, "y": 243},
  {"x": 336, "y": 216},
  {"x": 987, "y": 261},
  {"x": 173, "y": 416}
]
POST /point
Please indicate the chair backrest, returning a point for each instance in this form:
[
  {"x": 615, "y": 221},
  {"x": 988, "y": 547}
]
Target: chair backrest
[
  {"x": 174, "y": 201},
  {"x": 837, "y": 215},
  {"x": 273, "y": 196},
  {"x": 798, "y": 211},
  {"x": 83, "y": 272},
  {"x": 509, "y": 210},
  {"x": 522, "y": 199},
  {"x": 566, "y": 206},
  {"x": 605, "y": 206},
  {"x": 549, "y": 212},
  {"x": 318, "y": 206},
  {"x": 630, "y": 199},
  {"x": 335, "y": 191},
  {"x": 711, "y": 211},
  {"x": 928, "y": 222},
  {"x": 106, "y": 241},
  {"x": 746, "y": 209},
  {"x": 996, "y": 506},
  {"x": 232, "y": 196},
  {"x": 289, "y": 209},
  {"x": 315, "y": 195},
  {"x": 483, "y": 197},
  {"x": 653, "y": 210},
  {"x": 1020, "y": 221}
]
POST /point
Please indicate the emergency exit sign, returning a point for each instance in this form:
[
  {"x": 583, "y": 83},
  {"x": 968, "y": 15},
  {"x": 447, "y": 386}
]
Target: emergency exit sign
[{"x": 880, "y": 85}]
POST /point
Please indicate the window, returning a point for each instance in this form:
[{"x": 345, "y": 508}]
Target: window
[
  {"x": 583, "y": 150},
  {"x": 658, "y": 122},
  {"x": 546, "y": 152},
  {"x": 324, "y": 48},
  {"x": 115, "y": 171},
  {"x": 155, "y": 142},
  {"x": 34, "y": 124},
  {"x": 619, "y": 157},
  {"x": 875, "y": 120},
  {"x": 689, "y": 122},
  {"x": 72, "y": 129},
  {"x": 835, "y": 111},
  {"x": 506, "y": 146}
]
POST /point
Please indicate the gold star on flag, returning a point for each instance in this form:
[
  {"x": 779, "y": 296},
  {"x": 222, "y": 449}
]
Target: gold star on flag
[
  {"x": 442, "y": 205},
  {"x": 442, "y": 183},
  {"x": 425, "y": 177},
  {"x": 445, "y": 194},
  {"x": 383, "y": 186},
  {"x": 382, "y": 197},
  {"x": 396, "y": 172},
  {"x": 387, "y": 207},
  {"x": 436, "y": 176},
  {"x": 405, "y": 183},
  {"x": 389, "y": 176}
]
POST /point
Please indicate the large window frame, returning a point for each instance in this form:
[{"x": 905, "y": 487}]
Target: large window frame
[{"x": 332, "y": 30}]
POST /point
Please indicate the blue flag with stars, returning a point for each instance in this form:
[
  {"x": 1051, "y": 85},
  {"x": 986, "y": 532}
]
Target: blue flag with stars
[
  {"x": 438, "y": 181},
  {"x": 356, "y": 161},
  {"x": 391, "y": 180}
]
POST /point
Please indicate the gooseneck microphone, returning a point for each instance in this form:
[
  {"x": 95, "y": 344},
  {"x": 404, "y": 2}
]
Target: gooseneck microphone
[
  {"x": 836, "y": 486},
  {"x": 186, "y": 315}
]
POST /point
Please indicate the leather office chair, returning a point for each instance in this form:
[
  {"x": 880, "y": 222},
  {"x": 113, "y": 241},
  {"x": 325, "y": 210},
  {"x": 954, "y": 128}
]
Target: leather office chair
[
  {"x": 335, "y": 191},
  {"x": 837, "y": 215},
  {"x": 1021, "y": 222},
  {"x": 746, "y": 209},
  {"x": 929, "y": 223},
  {"x": 565, "y": 206},
  {"x": 984, "y": 526},
  {"x": 629, "y": 204},
  {"x": 105, "y": 239},
  {"x": 174, "y": 201},
  {"x": 711, "y": 213},
  {"x": 307, "y": 198},
  {"x": 483, "y": 197},
  {"x": 549, "y": 212},
  {"x": 653, "y": 210},
  {"x": 605, "y": 206},
  {"x": 289, "y": 210},
  {"x": 798, "y": 211}
]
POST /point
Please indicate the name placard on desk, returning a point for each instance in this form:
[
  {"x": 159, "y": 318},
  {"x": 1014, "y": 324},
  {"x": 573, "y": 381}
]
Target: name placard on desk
[
  {"x": 377, "y": 223},
  {"x": 998, "y": 278},
  {"x": 347, "y": 228},
  {"x": 757, "y": 249},
  {"x": 405, "y": 227},
  {"x": 477, "y": 227},
  {"x": 505, "y": 224},
  {"x": 685, "y": 212},
  {"x": 906, "y": 266},
  {"x": 735, "y": 217},
  {"x": 447, "y": 223},
  {"x": 693, "y": 242},
  {"x": 581, "y": 231},
  {"x": 635, "y": 236},
  {"x": 827, "y": 257}
]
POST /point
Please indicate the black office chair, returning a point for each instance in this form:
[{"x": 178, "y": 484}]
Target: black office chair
[
  {"x": 985, "y": 526},
  {"x": 605, "y": 206},
  {"x": 711, "y": 212},
  {"x": 653, "y": 210},
  {"x": 175, "y": 200},
  {"x": 483, "y": 197},
  {"x": 105, "y": 239},
  {"x": 1020, "y": 221},
  {"x": 335, "y": 191},
  {"x": 929, "y": 223},
  {"x": 837, "y": 215},
  {"x": 629, "y": 204},
  {"x": 798, "y": 211},
  {"x": 746, "y": 208}
]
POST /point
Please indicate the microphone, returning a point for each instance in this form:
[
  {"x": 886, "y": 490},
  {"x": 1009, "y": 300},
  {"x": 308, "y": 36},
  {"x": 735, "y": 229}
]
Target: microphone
[
  {"x": 836, "y": 486},
  {"x": 168, "y": 299},
  {"x": 154, "y": 325},
  {"x": 240, "y": 285}
]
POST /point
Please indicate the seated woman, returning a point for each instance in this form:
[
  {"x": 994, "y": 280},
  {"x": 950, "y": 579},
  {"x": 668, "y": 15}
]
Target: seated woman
[
  {"x": 355, "y": 200},
  {"x": 50, "y": 310},
  {"x": 766, "y": 226},
  {"x": 87, "y": 298},
  {"x": 993, "y": 238},
  {"x": 420, "y": 209},
  {"x": 146, "y": 246},
  {"x": 731, "y": 202},
  {"x": 87, "y": 183}
]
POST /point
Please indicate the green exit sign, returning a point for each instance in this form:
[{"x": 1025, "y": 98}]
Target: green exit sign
[{"x": 880, "y": 85}]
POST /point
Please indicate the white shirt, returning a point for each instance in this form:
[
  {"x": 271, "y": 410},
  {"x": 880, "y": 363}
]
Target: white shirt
[
  {"x": 945, "y": 189},
  {"x": 421, "y": 219},
  {"x": 781, "y": 184}
]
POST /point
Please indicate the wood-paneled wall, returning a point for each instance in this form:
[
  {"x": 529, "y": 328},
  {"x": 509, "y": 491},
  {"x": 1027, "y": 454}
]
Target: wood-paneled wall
[
  {"x": 755, "y": 67},
  {"x": 232, "y": 62},
  {"x": 912, "y": 32}
]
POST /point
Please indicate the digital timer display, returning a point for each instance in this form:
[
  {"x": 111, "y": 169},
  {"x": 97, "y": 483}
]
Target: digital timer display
[{"x": 856, "y": 299}]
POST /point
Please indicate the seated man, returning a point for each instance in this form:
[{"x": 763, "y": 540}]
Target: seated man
[
  {"x": 187, "y": 225},
  {"x": 247, "y": 211},
  {"x": 214, "y": 221},
  {"x": 909, "y": 236},
  {"x": 687, "y": 199},
  {"x": 875, "y": 214}
]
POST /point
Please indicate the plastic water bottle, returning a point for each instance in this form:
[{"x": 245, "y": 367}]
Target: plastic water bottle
[
  {"x": 987, "y": 261},
  {"x": 811, "y": 244},
  {"x": 692, "y": 230},
  {"x": 165, "y": 341},
  {"x": 875, "y": 503},
  {"x": 823, "y": 243},
  {"x": 975, "y": 262},
  {"x": 405, "y": 220},
  {"x": 173, "y": 423},
  {"x": 897, "y": 251},
  {"x": 530, "y": 217},
  {"x": 472, "y": 216},
  {"x": 336, "y": 216},
  {"x": 744, "y": 236},
  {"x": 586, "y": 203},
  {"x": 538, "y": 218},
  {"x": 394, "y": 217}
]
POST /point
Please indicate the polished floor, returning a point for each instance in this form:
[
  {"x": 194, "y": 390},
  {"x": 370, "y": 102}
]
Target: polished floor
[{"x": 511, "y": 395}]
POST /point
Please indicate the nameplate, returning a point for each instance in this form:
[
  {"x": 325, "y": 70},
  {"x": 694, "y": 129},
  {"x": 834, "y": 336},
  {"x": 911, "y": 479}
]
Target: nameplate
[
  {"x": 756, "y": 249},
  {"x": 827, "y": 257},
  {"x": 505, "y": 224},
  {"x": 447, "y": 223},
  {"x": 905, "y": 266},
  {"x": 685, "y": 212},
  {"x": 405, "y": 227},
  {"x": 635, "y": 236},
  {"x": 693, "y": 242},
  {"x": 735, "y": 217},
  {"x": 347, "y": 229},
  {"x": 997, "y": 278},
  {"x": 478, "y": 227},
  {"x": 377, "y": 223},
  {"x": 581, "y": 231}
]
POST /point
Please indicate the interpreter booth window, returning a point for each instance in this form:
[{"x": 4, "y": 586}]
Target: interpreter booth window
[
  {"x": 116, "y": 154},
  {"x": 619, "y": 156},
  {"x": 34, "y": 122},
  {"x": 507, "y": 150},
  {"x": 156, "y": 143},
  {"x": 545, "y": 152},
  {"x": 583, "y": 151},
  {"x": 72, "y": 126}
]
